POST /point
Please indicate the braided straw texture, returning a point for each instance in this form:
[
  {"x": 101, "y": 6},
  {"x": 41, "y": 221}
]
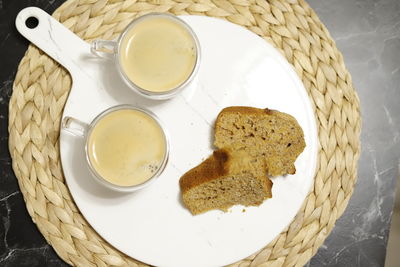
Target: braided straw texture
[{"x": 41, "y": 89}]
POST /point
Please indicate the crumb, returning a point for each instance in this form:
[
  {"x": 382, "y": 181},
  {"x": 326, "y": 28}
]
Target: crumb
[
  {"x": 243, "y": 210},
  {"x": 152, "y": 167}
]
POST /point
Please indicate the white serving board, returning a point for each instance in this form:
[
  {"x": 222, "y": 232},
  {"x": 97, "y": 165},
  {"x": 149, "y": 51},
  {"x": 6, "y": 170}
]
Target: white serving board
[{"x": 237, "y": 68}]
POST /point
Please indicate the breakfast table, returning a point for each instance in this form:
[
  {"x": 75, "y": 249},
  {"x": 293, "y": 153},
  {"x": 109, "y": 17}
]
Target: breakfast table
[{"x": 368, "y": 35}]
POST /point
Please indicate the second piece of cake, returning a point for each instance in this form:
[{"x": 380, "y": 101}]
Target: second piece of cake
[{"x": 223, "y": 180}]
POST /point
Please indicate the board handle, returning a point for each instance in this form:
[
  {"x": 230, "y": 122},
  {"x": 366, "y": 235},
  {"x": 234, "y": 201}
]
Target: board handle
[{"x": 52, "y": 37}]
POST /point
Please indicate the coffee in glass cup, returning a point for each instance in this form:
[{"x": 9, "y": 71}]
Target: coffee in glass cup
[
  {"x": 126, "y": 147},
  {"x": 157, "y": 55}
]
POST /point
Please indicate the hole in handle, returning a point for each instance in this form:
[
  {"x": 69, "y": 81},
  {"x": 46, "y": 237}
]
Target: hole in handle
[{"x": 31, "y": 22}]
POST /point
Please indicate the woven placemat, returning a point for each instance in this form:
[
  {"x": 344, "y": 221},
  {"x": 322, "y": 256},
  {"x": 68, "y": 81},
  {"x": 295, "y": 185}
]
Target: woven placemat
[{"x": 41, "y": 89}]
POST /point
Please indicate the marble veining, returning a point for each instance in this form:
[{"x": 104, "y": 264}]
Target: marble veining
[{"x": 368, "y": 34}]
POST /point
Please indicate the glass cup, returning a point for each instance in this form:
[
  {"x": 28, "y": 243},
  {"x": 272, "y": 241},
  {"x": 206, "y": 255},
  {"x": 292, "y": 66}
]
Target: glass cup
[
  {"x": 81, "y": 129},
  {"x": 112, "y": 49}
]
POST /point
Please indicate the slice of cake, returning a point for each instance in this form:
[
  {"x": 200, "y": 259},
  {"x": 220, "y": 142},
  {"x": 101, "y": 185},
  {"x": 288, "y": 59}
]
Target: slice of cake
[
  {"x": 263, "y": 133},
  {"x": 225, "y": 179}
]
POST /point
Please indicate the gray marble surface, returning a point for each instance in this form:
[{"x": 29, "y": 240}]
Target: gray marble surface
[{"x": 368, "y": 34}]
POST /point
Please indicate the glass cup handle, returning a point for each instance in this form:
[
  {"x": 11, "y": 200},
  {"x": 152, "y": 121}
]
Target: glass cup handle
[
  {"x": 80, "y": 128},
  {"x": 104, "y": 48}
]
